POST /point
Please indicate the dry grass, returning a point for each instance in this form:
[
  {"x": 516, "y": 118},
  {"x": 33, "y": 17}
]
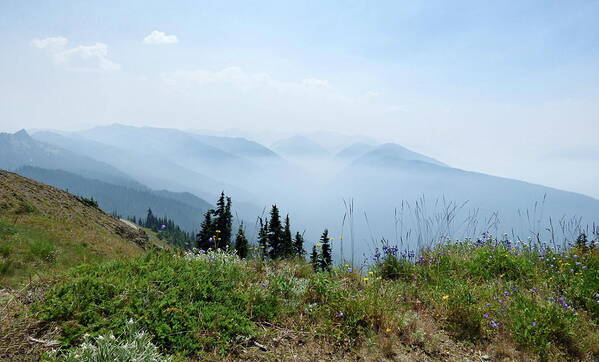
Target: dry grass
[{"x": 68, "y": 231}]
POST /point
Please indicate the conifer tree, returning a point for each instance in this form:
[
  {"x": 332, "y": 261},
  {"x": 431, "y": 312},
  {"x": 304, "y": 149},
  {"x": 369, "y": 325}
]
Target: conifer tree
[
  {"x": 275, "y": 233},
  {"x": 241, "y": 243},
  {"x": 314, "y": 259},
  {"x": 205, "y": 238},
  {"x": 326, "y": 258},
  {"x": 298, "y": 245},
  {"x": 263, "y": 237},
  {"x": 224, "y": 221},
  {"x": 287, "y": 249}
]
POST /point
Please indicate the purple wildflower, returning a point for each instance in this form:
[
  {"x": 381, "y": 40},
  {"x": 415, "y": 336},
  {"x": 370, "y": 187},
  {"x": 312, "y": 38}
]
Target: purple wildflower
[{"x": 534, "y": 324}]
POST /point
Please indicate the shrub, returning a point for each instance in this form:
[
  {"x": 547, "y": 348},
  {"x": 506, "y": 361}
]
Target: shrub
[
  {"x": 42, "y": 249},
  {"x": 189, "y": 305},
  {"x": 540, "y": 326},
  {"x": 132, "y": 345}
]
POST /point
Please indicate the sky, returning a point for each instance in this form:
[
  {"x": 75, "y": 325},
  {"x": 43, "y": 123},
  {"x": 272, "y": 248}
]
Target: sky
[{"x": 509, "y": 88}]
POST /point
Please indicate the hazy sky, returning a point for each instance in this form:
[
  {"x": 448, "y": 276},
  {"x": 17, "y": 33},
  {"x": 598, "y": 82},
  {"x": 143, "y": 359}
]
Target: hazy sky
[{"x": 509, "y": 88}]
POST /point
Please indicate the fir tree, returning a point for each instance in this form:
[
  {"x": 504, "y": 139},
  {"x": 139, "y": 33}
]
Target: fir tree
[
  {"x": 241, "y": 243},
  {"x": 205, "y": 238},
  {"x": 263, "y": 237},
  {"x": 224, "y": 221},
  {"x": 326, "y": 259},
  {"x": 314, "y": 259},
  {"x": 287, "y": 249},
  {"x": 298, "y": 245},
  {"x": 275, "y": 233}
]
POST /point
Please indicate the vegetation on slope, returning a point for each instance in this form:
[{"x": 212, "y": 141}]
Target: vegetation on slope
[
  {"x": 485, "y": 297},
  {"x": 43, "y": 230}
]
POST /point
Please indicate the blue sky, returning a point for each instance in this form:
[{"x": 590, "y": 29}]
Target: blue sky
[{"x": 515, "y": 81}]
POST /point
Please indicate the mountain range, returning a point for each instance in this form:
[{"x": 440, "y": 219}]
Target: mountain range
[{"x": 302, "y": 176}]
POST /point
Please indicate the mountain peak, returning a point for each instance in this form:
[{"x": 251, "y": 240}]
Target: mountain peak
[{"x": 22, "y": 134}]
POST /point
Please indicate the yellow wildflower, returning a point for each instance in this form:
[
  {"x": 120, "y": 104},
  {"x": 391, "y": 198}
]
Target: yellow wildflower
[
  {"x": 365, "y": 279},
  {"x": 445, "y": 297},
  {"x": 388, "y": 330}
]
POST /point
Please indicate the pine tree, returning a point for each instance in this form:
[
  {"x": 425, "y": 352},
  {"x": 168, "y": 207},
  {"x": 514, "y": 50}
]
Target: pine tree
[
  {"x": 298, "y": 245},
  {"x": 263, "y": 237},
  {"x": 314, "y": 259},
  {"x": 241, "y": 243},
  {"x": 205, "y": 238},
  {"x": 275, "y": 233},
  {"x": 287, "y": 249},
  {"x": 326, "y": 259}
]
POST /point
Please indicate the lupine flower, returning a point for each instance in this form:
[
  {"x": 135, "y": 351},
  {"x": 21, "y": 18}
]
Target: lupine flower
[
  {"x": 486, "y": 316},
  {"x": 534, "y": 324},
  {"x": 494, "y": 324}
]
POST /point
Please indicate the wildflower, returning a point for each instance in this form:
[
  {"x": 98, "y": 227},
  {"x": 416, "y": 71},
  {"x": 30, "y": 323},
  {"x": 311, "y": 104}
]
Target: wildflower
[
  {"x": 597, "y": 295},
  {"x": 494, "y": 324},
  {"x": 340, "y": 314},
  {"x": 506, "y": 293},
  {"x": 534, "y": 324},
  {"x": 263, "y": 285},
  {"x": 218, "y": 231},
  {"x": 349, "y": 270},
  {"x": 318, "y": 245},
  {"x": 365, "y": 279},
  {"x": 486, "y": 316},
  {"x": 445, "y": 297},
  {"x": 388, "y": 330},
  {"x": 370, "y": 273}
]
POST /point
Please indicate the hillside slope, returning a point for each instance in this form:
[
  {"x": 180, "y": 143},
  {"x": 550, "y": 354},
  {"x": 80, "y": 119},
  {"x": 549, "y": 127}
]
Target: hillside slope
[
  {"x": 185, "y": 209},
  {"x": 45, "y": 230}
]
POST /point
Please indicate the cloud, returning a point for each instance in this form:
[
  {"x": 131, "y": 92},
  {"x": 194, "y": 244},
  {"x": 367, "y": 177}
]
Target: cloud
[
  {"x": 83, "y": 57},
  {"x": 318, "y": 83},
  {"x": 57, "y": 43},
  {"x": 159, "y": 37}
]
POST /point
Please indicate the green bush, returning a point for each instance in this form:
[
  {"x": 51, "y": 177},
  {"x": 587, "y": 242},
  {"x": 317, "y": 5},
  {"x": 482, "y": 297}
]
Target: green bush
[
  {"x": 494, "y": 262},
  {"x": 189, "y": 305},
  {"x": 42, "y": 249},
  {"x": 540, "y": 326}
]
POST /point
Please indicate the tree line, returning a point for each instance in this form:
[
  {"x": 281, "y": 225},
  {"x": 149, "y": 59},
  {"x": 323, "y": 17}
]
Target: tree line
[{"x": 275, "y": 239}]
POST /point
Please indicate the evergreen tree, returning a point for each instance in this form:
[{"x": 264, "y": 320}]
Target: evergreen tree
[
  {"x": 287, "y": 249},
  {"x": 275, "y": 234},
  {"x": 205, "y": 238},
  {"x": 326, "y": 258},
  {"x": 263, "y": 237},
  {"x": 224, "y": 221},
  {"x": 314, "y": 259},
  {"x": 241, "y": 243},
  {"x": 298, "y": 245}
]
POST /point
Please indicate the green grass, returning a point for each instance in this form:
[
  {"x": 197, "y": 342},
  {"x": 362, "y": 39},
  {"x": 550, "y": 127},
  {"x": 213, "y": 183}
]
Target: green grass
[
  {"x": 495, "y": 298},
  {"x": 28, "y": 251}
]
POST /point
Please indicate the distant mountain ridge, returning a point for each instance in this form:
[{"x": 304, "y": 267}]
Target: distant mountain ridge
[
  {"x": 389, "y": 153},
  {"x": 299, "y": 146},
  {"x": 20, "y": 149},
  {"x": 184, "y": 208}
]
